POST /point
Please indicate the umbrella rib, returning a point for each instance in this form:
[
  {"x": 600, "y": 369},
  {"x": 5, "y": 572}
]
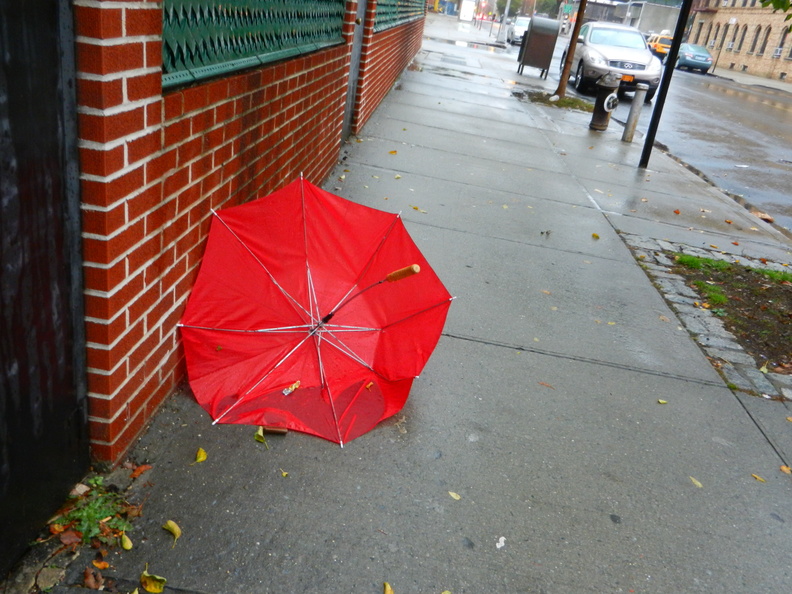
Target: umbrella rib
[
  {"x": 282, "y": 329},
  {"x": 369, "y": 263},
  {"x": 285, "y": 293},
  {"x": 326, "y": 386},
  {"x": 345, "y": 349},
  {"x": 265, "y": 376},
  {"x": 417, "y": 313}
]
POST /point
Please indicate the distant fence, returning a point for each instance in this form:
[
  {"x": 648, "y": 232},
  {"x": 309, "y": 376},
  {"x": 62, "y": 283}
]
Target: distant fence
[{"x": 206, "y": 38}]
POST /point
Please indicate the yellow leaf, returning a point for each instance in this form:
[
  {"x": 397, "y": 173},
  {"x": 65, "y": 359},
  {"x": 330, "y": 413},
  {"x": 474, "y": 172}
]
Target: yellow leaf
[
  {"x": 393, "y": 152},
  {"x": 135, "y": 591},
  {"x": 387, "y": 588},
  {"x": 763, "y": 368},
  {"x": 695, "y": 482},
  {"x": 662, "y": 402},
  {"x": 455, "y": 495},
  {"x": 595, "y": 236},
  {"x": 126, "y": 542},
  {"x": 789, "y": 419},
  {"x": 100, "y": 564},
  {"x": 786, "y": 470},
  {"x": 611, "y": 323},
  {"x": 152, "y": 583},
  {"x": 758, "y": 478},
  {"x": 397, "y": 176},
  {"x": 200, "y": 456},
  {"x": 418, "y": 209},
  {"x": 546, "y": 292},
  {"x": 174, "y": 529},
  {"x": 284, "y": 474}
]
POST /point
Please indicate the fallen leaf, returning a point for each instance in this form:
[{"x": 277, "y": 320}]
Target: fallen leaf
[
  {"x": 611, "y": 323},
  {"x": 664, "y": 319},
  {"x": 789, "y": 419},
  {"x": 735, "y": 243},
  {"x": 728, "y": 222},
  {"x": 676, "y": 211},
  {"x": 126, "y": 542},
  {"x": 696, "y": 483},
  {"x": 70, "y": 537},
  {"x": 284, "y": 474},
  {"x": 392, "y": 152},
  {"x": 417, "y": 208},
  {"x": 546, "y": 385},
  {"x": 662, "y": 402},
  {"x": 174, "y": 529},
  {"x": 387, "y": 588},
  {"x": 595, "y": 236},
  {"x": 455, "y": 495},
  {"x": 92, "y": 580},
  {"x": 369, "y": 385},
  {"x": 200, "y": 456},
  {"x": 259, "y": 436},
  {"x": 763, "y": 368},
  {"x": 100, "y": 564},
  {"x": 291, "y": 388},
  {"x": 644, "y": 199},
  {"x": 758, "y": 478},
  {"x": 140, "y": 470},
  {"x": 151, "y": 582},
  {"x": 397, "y": 176},
  {"x": 786, "y": 470},
  {"x": 715, "y": 247},
  {"x": 546, "y": 292}
]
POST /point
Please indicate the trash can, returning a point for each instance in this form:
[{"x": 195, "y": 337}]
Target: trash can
[
  {"x": 606, "y": 102},
  {"x": 537, "y": 45}
]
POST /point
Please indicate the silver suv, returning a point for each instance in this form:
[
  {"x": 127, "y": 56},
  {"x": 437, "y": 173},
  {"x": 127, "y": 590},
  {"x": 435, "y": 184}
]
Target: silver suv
[{"x": 603, "y": 48}]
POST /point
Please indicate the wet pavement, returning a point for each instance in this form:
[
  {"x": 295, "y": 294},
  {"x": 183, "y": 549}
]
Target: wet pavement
[{"x": 534, "y": 454}]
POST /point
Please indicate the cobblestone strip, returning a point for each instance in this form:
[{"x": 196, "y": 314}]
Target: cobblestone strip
[{"x": 738, "y": 368}]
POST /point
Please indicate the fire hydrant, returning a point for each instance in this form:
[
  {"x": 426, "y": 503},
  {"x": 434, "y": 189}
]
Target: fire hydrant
[{"x": 606, "y": 102}]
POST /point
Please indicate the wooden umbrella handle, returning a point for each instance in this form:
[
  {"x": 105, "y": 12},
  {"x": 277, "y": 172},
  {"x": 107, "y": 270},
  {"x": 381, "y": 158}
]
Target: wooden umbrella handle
[{"x": 397, "y": 275}]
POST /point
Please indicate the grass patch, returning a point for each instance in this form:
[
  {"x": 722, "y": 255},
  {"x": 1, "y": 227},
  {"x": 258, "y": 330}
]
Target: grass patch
[
  {"x": 564, "y": 102},
  {"x": 754, "y": 304}
]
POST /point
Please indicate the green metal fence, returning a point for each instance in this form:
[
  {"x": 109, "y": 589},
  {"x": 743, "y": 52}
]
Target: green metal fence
[
  {"x": 206, "y": 38},
  {"x": 391, "y": 13}
]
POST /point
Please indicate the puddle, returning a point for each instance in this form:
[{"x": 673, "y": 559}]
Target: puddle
[{"x": 490, "y": 47}]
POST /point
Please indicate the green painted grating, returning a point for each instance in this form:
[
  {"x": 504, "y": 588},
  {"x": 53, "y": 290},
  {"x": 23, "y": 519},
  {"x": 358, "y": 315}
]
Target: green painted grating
[
  {"x": 208, "y": 38},
  {"x": 391, "y": 13}
]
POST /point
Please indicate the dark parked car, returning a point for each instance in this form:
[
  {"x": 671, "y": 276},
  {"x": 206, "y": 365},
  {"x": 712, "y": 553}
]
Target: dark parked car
[{"x": 694, "y": 57}]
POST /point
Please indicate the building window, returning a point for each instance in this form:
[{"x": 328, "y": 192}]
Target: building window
[
  {"x": 698, "y": 32},
  {"x": 742, "y": 38},
  {"x": 756, "y": 39},
  {"x": 764, "y": 41}
]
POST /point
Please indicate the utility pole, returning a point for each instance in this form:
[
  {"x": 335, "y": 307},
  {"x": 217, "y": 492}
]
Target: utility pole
[{"x": 562, "y": 84}]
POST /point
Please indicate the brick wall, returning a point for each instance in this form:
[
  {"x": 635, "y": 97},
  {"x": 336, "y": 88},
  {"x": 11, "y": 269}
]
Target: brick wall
[
  {"x": 741, "y": 58},
  {"x": 385, "y": 55},
  {"x": 152, "y": 166}
]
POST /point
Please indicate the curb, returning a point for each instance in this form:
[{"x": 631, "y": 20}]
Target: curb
[{"x": 739, "y": 369}]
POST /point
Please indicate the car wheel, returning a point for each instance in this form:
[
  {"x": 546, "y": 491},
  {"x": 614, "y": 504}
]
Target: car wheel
[
  {"x": 678, "y": 66},
  {"x": 580, "y": 83},
  {"x": 704, "y": 70},
  {"x": 650, "y": 95},
  {"x": 561, "y": 65}
]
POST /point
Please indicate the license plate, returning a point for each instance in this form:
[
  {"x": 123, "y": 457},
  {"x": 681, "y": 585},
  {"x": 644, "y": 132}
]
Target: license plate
[{"x": 628, "y": 77}]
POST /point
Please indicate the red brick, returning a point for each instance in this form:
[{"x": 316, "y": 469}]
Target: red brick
[
  {"x": 154, "y": 114},
  {"x": 195, "y": 98},
  {"x": 143, "y": 253},
  {"x": 144, "y": 147},
  {"x": 176, "y": 132},
  {"x": 161, "y": 166},
  {"x": 106, "y": 359},
  {"x": 104, "y": 279},
  {"x": 105, "y": 333},
  {"x": 106, "y": 307},
  {"x": 106, "y": 384},
  {"x": 144, "y": 202},
  {"x": 175, "y": 182},
  {"x": 142, "y": 302},
  {"x": 101, "y": 222},
  {"x": 109, "y": 59},
  {"x": 189, "y": 150},
  {"x": 153, "y": 54},
  {"x": 105, "y": 251},
  {"x": 99, "y": 94},
  {"x": 100, "y": 23},
  {"x": 144, "y": 86},
  {"x": 144, "y": 21},
  {"x": 104, "y": 194},
  {"x": 104, "y": 128},
  {"x": 102, "y": 163},
  {"x": 173, "y": 105}
]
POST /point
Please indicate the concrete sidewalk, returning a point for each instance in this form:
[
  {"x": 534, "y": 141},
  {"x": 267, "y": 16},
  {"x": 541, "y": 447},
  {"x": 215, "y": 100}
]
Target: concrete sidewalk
[{"x": 539, "y": 407}]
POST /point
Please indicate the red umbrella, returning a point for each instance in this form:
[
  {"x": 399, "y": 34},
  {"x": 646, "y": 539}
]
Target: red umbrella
[{"x": 293, "y": 321}]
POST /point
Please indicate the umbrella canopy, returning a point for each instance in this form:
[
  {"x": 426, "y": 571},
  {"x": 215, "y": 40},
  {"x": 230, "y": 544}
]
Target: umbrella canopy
[{"x": 310, "y": 312}]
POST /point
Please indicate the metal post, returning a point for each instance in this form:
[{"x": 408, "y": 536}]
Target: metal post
[
  {"x": 673, "y": 52},
  {"x": 635, "y": 112}
]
